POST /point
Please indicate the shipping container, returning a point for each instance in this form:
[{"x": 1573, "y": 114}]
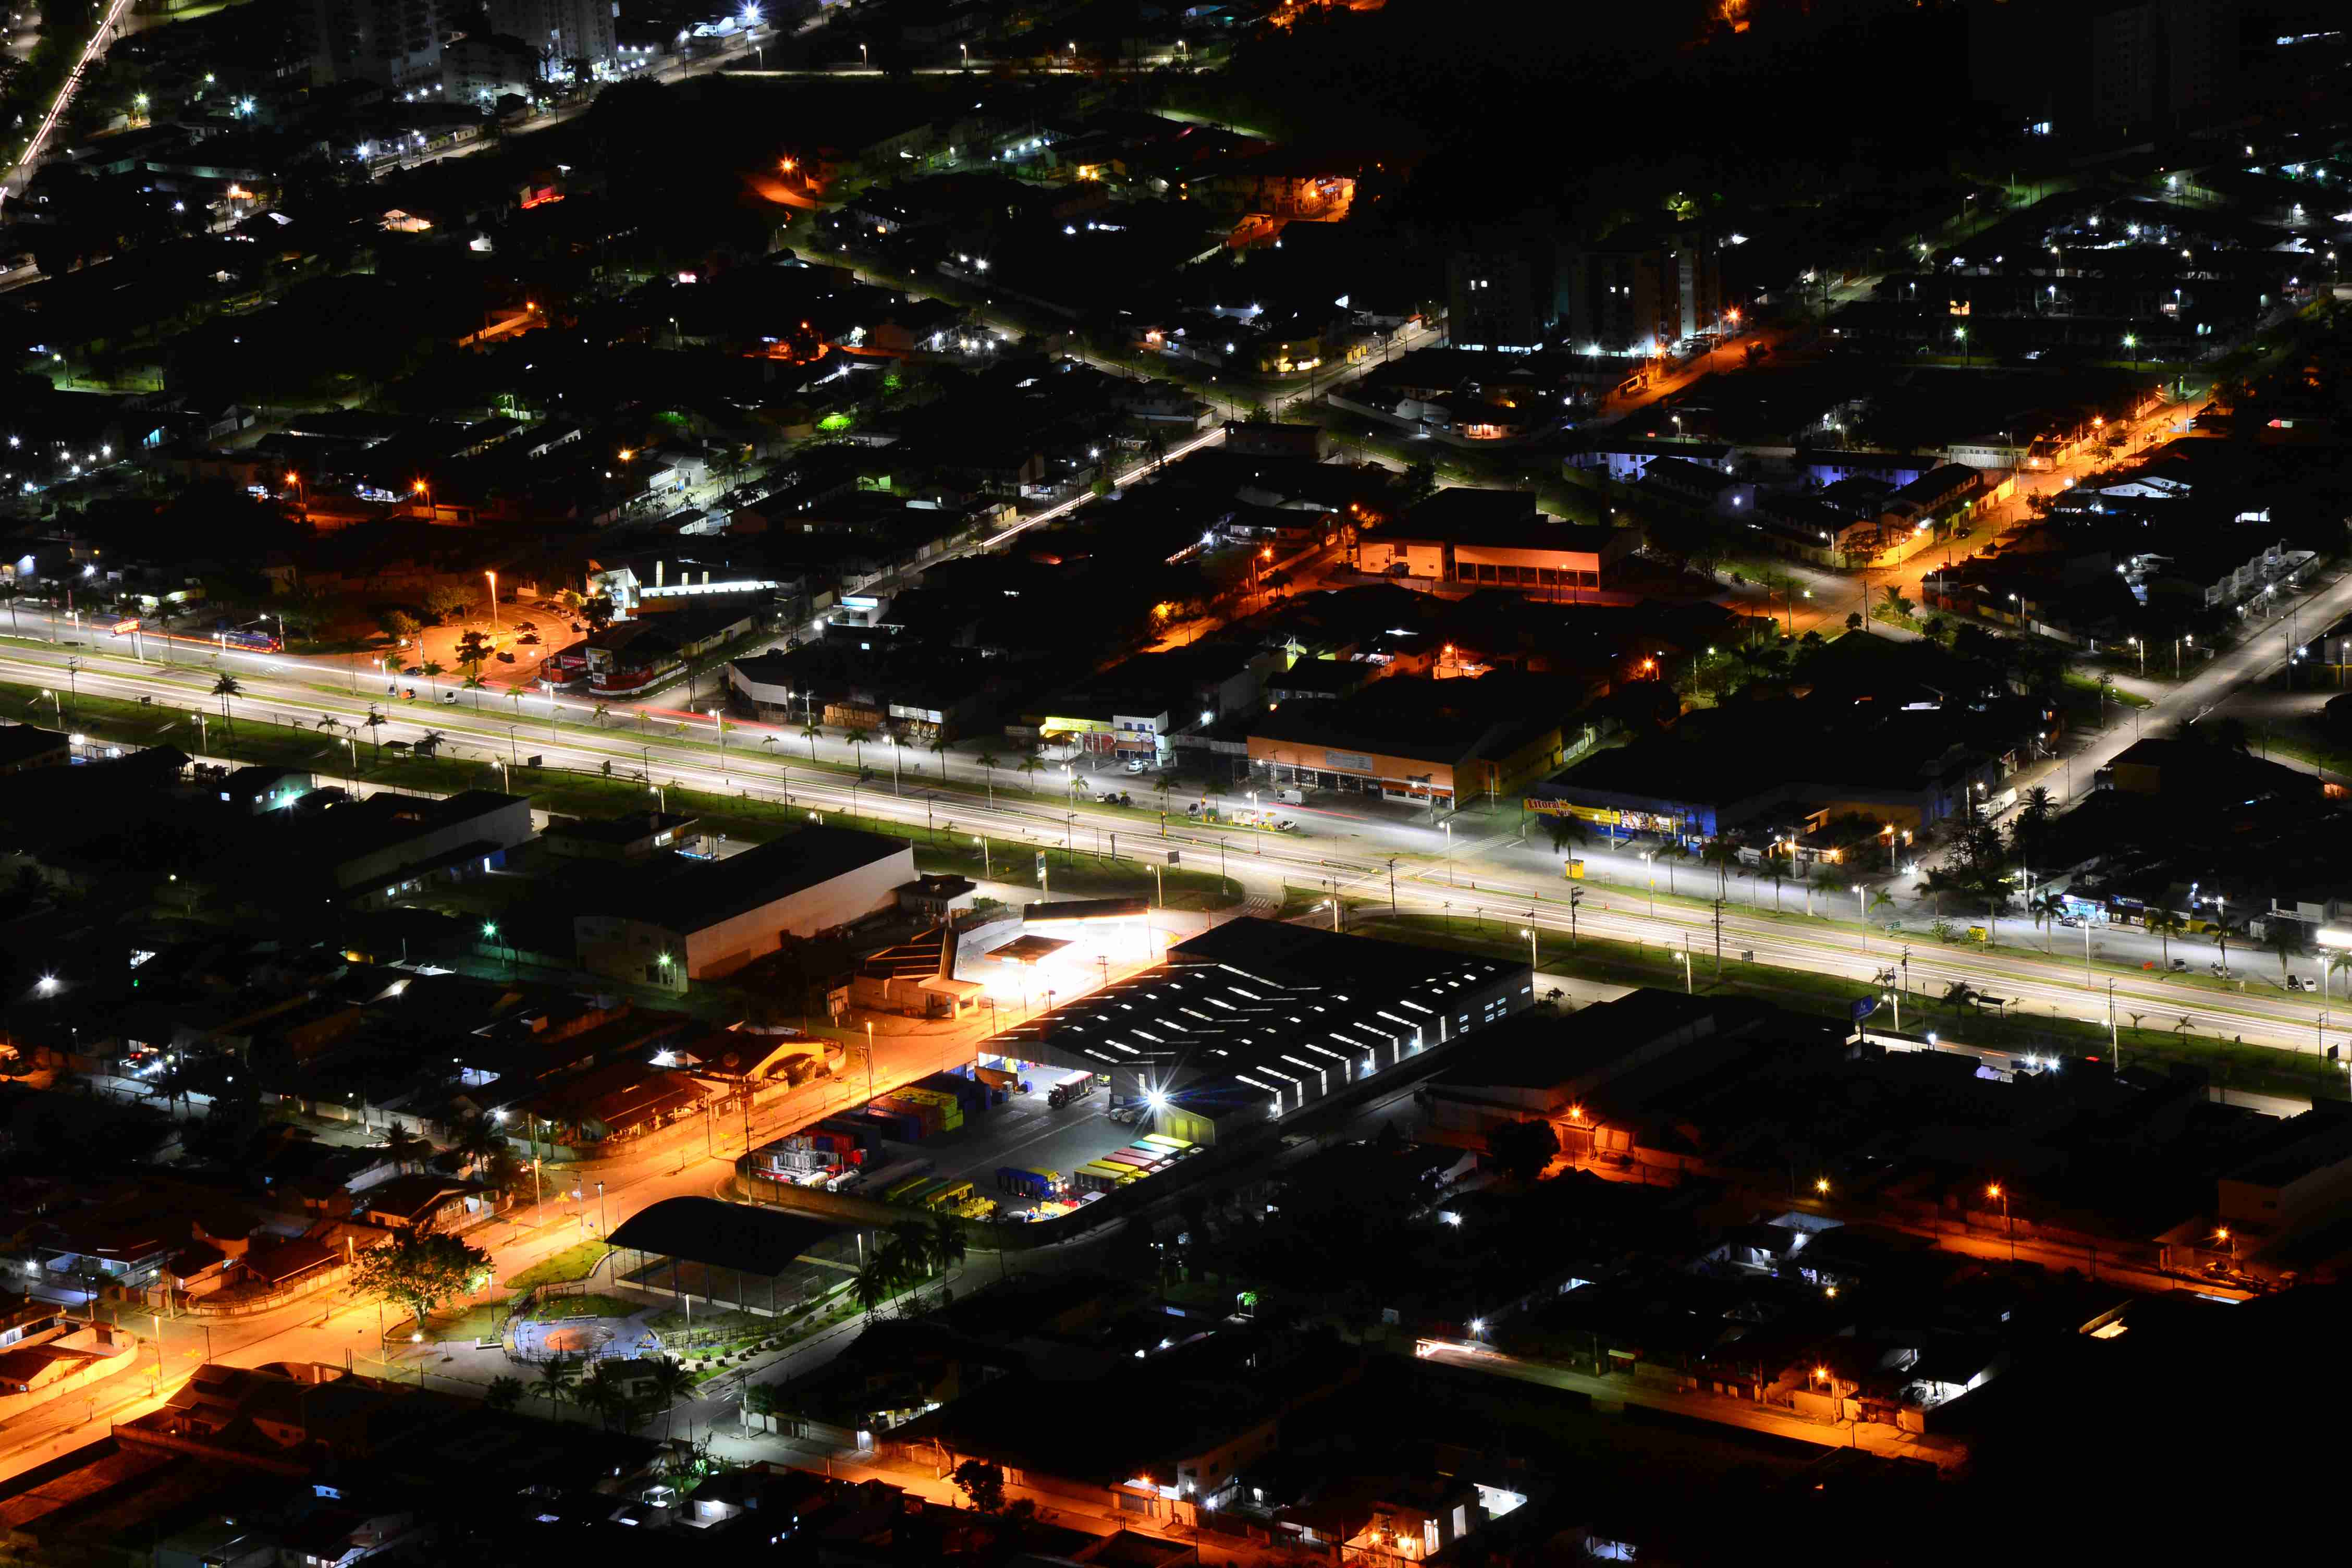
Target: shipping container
[
  {"x": 912, "y": 1180},
  {"x": 913, "y": 1195},
  {"x": 1069, "y": 1087},
  {"x": 894, "y": 1176},
  {"x": 973, "y": 1097},
  {"x": 1173, "y": 1145},
  {"x": 954, "y": 1191},
  {"x": 1122, "y": 1157}
]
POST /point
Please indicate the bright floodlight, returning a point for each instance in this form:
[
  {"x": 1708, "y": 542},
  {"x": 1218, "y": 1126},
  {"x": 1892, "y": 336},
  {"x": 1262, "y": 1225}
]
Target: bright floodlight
[
  {"x": 2335, "y": 936},
  {"x": 1156, "y": 1100}
]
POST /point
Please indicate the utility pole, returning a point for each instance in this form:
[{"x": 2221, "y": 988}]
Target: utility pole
[{"x": 1718, "y": 939}]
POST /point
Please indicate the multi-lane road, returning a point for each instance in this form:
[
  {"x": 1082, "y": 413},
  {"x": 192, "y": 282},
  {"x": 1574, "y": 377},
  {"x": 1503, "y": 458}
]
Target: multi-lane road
[{"x": 1358, "y": 853}]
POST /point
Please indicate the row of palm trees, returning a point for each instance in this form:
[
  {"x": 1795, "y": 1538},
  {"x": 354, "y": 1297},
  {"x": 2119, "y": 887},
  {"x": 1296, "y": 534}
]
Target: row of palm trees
[
  {"x": 916, "y": 1251},
  {"x": 603, "y": 1388}
]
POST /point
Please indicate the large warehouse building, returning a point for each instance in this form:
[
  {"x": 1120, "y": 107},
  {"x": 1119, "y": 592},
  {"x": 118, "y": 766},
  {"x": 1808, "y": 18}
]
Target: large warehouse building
[
  {"x": 675, "y": 920},
  {"x": 1255, "y": 1019}
]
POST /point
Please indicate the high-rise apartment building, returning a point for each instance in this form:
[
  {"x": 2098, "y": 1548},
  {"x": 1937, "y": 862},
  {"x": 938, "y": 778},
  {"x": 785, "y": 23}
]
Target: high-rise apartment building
[
  {"x": 559, "y": 29},
  {"x": 396, "y": 43}
]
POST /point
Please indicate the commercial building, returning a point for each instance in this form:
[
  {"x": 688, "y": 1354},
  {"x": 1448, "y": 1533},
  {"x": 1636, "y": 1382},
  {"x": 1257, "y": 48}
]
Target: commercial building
[
  {"x": 24, "y": 746},
  {"x": 1410, "y": 738},
  {"x": 1254, "y": 1020},
  {"x": 673, "y": 921},
  {"x": 1497, "y": 538}
]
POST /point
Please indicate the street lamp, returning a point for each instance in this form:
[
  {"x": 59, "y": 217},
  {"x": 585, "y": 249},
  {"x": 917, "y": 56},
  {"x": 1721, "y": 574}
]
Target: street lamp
[
  {"x": 1996, "y": 1190},
  {"x": 2132, "y": 343},
  {"x": 494, "y": 596},
  {"x": 1962, "y": 333}
]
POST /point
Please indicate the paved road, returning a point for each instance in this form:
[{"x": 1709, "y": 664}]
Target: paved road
[
  {"x": 1871, "y": 1436},
  {"x": 1348, "y": 850}
]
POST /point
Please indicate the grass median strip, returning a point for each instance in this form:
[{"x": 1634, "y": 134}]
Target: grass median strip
[
  {"x": 2260, "y": 1069},
  {"x": 253, "y": 740}
]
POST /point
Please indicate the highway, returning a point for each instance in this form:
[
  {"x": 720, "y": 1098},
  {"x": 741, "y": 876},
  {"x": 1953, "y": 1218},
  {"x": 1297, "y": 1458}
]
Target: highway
[{"x": 1500, "y": 878}]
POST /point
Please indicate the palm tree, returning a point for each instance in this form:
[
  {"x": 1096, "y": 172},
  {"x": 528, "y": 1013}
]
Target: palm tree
[
  {"x": 1881, "y": 900},
  {"x": 811, "y": 733},
  {"x": 873, "y": 1285},
  {"x": 946, "y": 1244},
  {"x": 598, "y": 716},
  {"x": 602, "y": 1391},
  {"x": 10, "y": 592},
  {"x": 1031, "y": 764},
  {"x": 375, "y": 724},
  {"x": 1669, "y": 853},
  {"x": 2286, "y": 939},
  {"x": 431, "y": 742},
  {"x": 2166, "y": 925},
  {"x": 988, "y": 763},
  {"x": 474, "y": 682},
  {"x": 404, "y": 1148},
  {"x": 2045, "y": 910},
  {"x": 556, "y": 1379},
  {"x": 1721, "y": 853},
  {"x": 938, "y": 746},
  {"x": 1777, "y": 865},
  {"x": 857, "y": 739},
  {"x": 432, "y": 671},
  {"x": 225, "y": 688},
  {"x": 2339, "y": 960},
  {"x": 504, "y": 1394},
  {"x": 671, "y": 1383}
]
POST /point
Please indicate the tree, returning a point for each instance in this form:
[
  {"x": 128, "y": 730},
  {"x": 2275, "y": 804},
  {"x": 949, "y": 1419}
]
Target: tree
[
  {"x": 1778, "y": 864},
  {"x": 1564, "y": 830},
  {"x": 473, "y": 650},
  {"x": 857, "y": 739},
  {"x": 398, "y": 625},
  {"x": 873, "y": 1284},
  {"x": 946, "y": 1245},
  {"x": 988, "y": 763},
  {"x": 225, "y": 688},
  {"x": 443, "y": 600},
  {"x": 504, "y": 1394},
  {"x": 2287, "y": 939},
  {"x": 671, "y": 1383},
  {"x": 402, "y": 1147},
  {"x": 1419, "y": 480},
  {"x": 1521, "y": 1150},
  {"x": 598, "y": 612},
  {"x": 1896, "y": 606},
  {"x": 600, "y": 1389},
  {"x": 2045, "y": 909},
  {"x": 432, "y": 671},
  {"x": 419, "y": 1271},
  {"x": 1853, "y": 622},
  {"x": 981, "y": 1482},
  {"x": 811, "y": 733},
  {"x": 2166, "y": 925},
  {"x": 556, "y": 1379},
  {"x": 1033, "y": 765},
  {"x": 375, "y": 724},
  {"x": 1722, "y": 853}
]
